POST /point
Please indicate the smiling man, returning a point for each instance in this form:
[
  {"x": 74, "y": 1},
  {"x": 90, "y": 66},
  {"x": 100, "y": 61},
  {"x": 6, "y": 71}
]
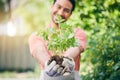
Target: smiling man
[{"x": 39, "y": 49}]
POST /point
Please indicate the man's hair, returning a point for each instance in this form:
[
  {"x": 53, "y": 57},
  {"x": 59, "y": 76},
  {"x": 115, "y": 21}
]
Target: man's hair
[{"x": 72, "y": 2}]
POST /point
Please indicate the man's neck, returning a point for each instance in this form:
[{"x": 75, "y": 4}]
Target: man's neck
[{"x": 54, "y": 25}]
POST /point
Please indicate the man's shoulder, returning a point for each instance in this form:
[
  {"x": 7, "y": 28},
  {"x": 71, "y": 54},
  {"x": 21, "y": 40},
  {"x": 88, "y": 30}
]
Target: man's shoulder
[{"x": 79, "y": 30}]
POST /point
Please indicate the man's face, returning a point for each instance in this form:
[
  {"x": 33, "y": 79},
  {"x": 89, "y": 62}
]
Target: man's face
[{"x": 62, "y": 8}]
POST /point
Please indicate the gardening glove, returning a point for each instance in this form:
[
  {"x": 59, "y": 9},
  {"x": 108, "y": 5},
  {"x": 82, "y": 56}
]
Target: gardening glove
[
  {"x": 53, "y": 69},
  {"x": 62, "y": 66},
  {"x": 53, "y": 72},
  {"x": 69, "y": 65}
]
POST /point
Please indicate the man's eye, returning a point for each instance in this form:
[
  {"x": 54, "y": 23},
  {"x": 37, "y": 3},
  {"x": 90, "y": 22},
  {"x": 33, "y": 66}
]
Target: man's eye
[
  {"x": 58, "y": 6},
  {"x": 67, "y": 10}
]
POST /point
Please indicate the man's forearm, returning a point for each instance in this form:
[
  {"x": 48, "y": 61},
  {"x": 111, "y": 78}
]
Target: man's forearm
[
  {"x": 41, "y": 55},
  {"x": 73, "y": 52},
  {"x": 38, "y": 49}
]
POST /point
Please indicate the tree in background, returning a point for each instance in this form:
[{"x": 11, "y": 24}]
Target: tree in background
[
  {"x": 101, "y": 20},
  {"x": 35, "y": 14},
  {"x": 5, "y": 10}
]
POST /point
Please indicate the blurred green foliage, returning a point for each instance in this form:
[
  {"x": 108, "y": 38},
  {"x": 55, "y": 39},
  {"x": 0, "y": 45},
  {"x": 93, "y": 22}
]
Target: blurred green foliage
[
  {"x": 35, "y": 14},
  {"x": 4, "y": 10},
  {"x": 21, "y": 74},
  {"x": 101, "y": 21}
]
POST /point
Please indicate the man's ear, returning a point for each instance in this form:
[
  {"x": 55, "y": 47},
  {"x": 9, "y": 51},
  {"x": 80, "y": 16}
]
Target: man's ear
[
  {"x": 51, "y": 6},
  {"x": 70, "y": 14}
]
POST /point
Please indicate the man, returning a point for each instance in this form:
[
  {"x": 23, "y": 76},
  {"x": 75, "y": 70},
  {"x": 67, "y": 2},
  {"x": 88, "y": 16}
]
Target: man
[{"x": 38, "y": 46}]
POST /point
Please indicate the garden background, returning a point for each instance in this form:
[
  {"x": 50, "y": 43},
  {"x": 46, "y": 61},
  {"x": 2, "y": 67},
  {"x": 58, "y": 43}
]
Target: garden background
[{"x": 100, "y": 19}]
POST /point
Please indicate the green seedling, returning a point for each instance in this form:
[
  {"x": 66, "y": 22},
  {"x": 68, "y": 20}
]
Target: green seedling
[{"x": 59, "y": 40}]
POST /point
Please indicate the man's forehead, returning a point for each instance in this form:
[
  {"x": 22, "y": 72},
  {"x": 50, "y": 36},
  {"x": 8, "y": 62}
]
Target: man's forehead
[{"x": 64, "y": 3}]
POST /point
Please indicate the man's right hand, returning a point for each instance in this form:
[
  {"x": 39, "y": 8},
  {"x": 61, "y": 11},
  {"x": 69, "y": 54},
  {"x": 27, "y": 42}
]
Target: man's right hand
[
  {"x": 69, "y": 65},
  {"x": 53, "y": 69}
]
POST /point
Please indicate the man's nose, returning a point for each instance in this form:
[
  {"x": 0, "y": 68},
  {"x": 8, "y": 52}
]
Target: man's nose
[{"x": 61, "y": 13}]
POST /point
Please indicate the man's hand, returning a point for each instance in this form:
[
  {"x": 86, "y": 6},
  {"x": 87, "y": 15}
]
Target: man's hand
[
  {"x": 53, "y": 69},
  {"x": 69, "y": 65},
  {"x": 57, "y": 66}
]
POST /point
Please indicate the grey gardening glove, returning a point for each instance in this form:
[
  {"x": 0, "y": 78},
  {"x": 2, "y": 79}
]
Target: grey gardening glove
[
  {"x": 53, "y": 69},
  {"x": 69, "y": 65},
  {"x": 62, "y": 66}
]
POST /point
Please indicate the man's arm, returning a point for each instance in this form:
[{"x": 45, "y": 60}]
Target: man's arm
[
  {"x": 40, "y": 54},
  {"x": 73, "y": 52},
  {"x": 38, "y": 49}
]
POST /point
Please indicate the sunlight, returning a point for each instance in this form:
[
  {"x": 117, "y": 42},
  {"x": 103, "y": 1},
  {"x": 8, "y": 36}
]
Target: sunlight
[{"x": 11, "y": 30}]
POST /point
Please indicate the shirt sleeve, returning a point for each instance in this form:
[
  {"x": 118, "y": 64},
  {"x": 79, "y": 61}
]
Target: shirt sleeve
[{"x": 81, "y": 36}]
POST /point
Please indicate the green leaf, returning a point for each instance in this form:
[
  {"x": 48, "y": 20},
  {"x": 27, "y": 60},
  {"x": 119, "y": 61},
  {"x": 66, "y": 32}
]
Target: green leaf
[
  {"x": 59, "y": 19},
  {"x": 71, "y": 36},
  {"x": 117, "y": 66}
]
